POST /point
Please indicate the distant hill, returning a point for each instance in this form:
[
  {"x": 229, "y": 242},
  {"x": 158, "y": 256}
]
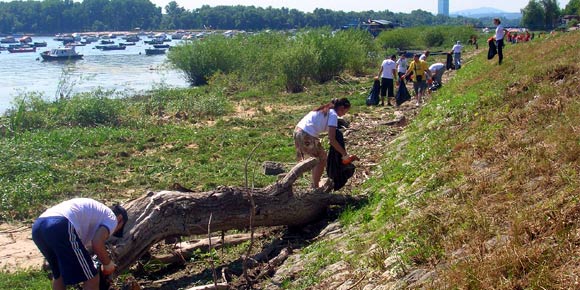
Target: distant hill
[{"x": 485, "y": 12}]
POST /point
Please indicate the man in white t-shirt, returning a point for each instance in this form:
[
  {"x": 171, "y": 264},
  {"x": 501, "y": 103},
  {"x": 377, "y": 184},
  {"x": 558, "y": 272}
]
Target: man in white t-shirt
[
  {"x": 425, "y": 55},
  {"x": 402, "y": 65},
  {"x": 499, "y": 35},
  {"x": 387, "y": 73},
  {"x": 456, "y": 50},
  {"x": 65, "y": 231},
  {"x": 437, "y": 69}
]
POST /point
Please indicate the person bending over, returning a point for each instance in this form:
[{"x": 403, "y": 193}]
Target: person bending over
[
  {"x": 308, "y": 130},
  {"x": 65, "y": 231}
]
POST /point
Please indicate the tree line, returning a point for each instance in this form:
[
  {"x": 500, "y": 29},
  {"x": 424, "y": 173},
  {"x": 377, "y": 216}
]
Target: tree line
[
  {"x": 546, "y": 14},
  {"x": 56, "y": 16}
]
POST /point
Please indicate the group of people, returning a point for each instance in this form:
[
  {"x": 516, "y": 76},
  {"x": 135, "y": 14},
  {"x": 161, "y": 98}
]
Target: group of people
[{"x": 418, "y": 70}]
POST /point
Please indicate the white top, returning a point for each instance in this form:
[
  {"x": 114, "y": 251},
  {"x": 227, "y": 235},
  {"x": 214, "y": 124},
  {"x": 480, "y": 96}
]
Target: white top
[
  {"x": 423, "y": 57},
  {"x": 388, "y": 66},
  {"x": 86, "y": 215},
  {"x": 315, "y": 122},
  {"x": 499, "y": 32},
  {"x": 457, "y": 48},
  {"x": 436, "y": 66},
  {"x": 402, "y": 65}
]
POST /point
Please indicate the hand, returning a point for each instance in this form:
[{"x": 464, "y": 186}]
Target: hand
[
  {"x": 109, "y": 268},
  {"x": 348, "y": 159}
]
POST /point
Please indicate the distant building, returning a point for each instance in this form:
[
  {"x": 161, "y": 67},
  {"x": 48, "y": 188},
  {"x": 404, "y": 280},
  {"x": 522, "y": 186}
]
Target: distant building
[{"x": 443, "y": 7}]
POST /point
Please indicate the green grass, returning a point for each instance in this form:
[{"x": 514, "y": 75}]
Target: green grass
[{"x": 25, "y": 280}]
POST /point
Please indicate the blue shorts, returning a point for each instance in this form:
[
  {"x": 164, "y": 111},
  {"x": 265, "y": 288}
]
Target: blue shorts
[{"x": 58, "y": 241}]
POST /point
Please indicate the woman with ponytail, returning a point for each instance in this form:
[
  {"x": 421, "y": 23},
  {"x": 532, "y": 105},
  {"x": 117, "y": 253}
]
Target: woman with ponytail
[{"x": 306, "y": 135}]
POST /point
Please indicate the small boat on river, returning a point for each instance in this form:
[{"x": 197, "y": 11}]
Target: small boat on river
[
  {"x": 21, "y": 49},
  {"x": 161, "y": 45},
  {"x": 111, "y": 47},
  {"x": 154, "y": 51},
  {"x": 61, "y": 53}
]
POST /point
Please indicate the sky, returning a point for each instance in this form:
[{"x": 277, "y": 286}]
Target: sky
[{"x": 405, "y": 6}]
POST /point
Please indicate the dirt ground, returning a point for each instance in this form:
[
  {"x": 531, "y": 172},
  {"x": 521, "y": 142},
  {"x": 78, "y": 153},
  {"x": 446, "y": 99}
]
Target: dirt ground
[{"x": 17, "y": 250}]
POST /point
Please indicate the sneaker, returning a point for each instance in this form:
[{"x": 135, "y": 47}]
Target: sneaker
[{"x": 417, "y": 104}]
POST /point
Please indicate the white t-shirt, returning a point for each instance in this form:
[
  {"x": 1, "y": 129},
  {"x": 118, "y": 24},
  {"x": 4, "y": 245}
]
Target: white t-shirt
[
  {"x": 388, "y": 66},
  {"x": 499, "y": 32},
  {"x": 457, "y": 48},
  {"x": 86, "y": 215},
  {"x": 423, "y": 57},
  {"x": 436, "y": 66},
  {"x": 315, "y": 122},
  {"x": 402, "y": 62}
]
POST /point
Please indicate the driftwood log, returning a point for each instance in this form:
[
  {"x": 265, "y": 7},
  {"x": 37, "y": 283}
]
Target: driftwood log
[{"x": 156, "y": 216}]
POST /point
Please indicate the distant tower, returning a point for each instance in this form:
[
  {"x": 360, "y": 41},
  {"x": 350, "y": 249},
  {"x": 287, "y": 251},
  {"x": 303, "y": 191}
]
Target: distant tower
[{"x": 443, "y": 7}]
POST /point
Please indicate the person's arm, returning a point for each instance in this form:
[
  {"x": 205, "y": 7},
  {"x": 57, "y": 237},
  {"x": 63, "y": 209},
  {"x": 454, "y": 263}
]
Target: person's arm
[
  {"x": 100, "y": 250},
  {"x": 334, "y": 143},
  {"x": 380, "y": 71}
]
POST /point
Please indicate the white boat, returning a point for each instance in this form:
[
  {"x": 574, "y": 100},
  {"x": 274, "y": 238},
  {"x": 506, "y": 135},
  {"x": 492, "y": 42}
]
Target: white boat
[{"x": 61, "y": 53}]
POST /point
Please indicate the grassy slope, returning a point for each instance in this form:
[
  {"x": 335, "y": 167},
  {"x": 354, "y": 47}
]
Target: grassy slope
[{"x": 484, "y": 185}]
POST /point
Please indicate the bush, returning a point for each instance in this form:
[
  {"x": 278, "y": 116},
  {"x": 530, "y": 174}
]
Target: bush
[
  {"x": 29, "y": 112},
  {"x": 199, "y": 60},
  {"x": 402, "y": 39},
  {"x": 297, "y": 62},
  {"x": 433, "y": 38},
  {"x": 92, "y": 109}
]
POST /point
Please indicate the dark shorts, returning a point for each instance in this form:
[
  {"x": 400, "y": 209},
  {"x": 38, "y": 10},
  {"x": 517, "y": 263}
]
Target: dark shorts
[
  {"x": 420, "y": 86},
  {"x": 58, "y": 241},
  {"x": 387, "y": 86}
]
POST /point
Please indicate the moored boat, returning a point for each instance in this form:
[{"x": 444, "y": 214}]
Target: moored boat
[
  {"x": 161, "y": 45},
  {"x": 21, "y": 49},
  {"x": 154, "y": 51},
  {"x": 61, "y": 53},
  {"x": 40, "y": 44},
  {"x": 111, "y": 47}
]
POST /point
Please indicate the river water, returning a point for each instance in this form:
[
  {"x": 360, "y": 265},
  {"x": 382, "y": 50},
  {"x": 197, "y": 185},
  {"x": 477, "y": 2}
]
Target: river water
[{"x": 128, "y": 70}]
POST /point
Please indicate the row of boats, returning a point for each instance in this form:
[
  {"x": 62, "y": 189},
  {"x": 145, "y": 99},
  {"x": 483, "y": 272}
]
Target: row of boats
[{"x": 68, "y": 52}]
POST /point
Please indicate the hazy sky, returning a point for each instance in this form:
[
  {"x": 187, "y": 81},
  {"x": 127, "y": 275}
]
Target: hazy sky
[{"x": 356, "y": 5}]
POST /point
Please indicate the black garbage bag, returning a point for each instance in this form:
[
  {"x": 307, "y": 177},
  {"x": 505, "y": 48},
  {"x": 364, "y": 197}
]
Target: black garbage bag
[
  {"x": 373, "y": 97},
  {"x": 338, "y": 172},
  {"x": 492, "y": 49},
  {"x": 403, "y": 94},
  {"x": 449, "y": 62}
]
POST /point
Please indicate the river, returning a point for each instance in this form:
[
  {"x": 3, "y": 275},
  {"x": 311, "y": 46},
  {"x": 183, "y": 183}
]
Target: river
[{"x": 128, "y": 70}]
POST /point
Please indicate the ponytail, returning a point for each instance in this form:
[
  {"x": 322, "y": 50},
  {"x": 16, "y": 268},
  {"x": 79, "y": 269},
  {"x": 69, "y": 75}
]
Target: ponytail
[{"x": 334, "y": 104}]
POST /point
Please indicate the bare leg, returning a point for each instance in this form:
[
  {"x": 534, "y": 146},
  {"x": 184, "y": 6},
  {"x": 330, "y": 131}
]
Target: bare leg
[
  {"x": 317, "y": 171},
  {"x": 58, "y": 284},
  {"x": 92, "y": 284}
]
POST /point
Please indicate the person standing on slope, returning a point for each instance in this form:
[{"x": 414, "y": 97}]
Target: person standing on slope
[{"x": 500, "y": 33}]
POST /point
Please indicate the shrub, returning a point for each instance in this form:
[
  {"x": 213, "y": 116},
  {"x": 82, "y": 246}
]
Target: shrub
[
  {"x": 28, "y": 112},
  {"x": 199, "y": 60},
  {"x": 433, "y": 38},
  {"x": 297, "y": 62},
  {"x": 92, "y": 109}
]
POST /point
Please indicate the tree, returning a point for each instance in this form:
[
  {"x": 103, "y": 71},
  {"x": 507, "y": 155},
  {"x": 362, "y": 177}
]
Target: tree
[
  {"x": 533, "y": 15},
  {"x": 572, "y": 8},
  {"x": 156, "y": 216},
  {"x": 551, "y": 13}
]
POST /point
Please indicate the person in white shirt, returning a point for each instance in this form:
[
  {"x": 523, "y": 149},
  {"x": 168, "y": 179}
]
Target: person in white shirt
[
  {"x": 401, "y": 66},
  {"x": 307, "y": 131},
  {"x": 424, "y": 56},
  {"x": 456, "y": 50},
  {"x": 65, "y": 231},
  {"x": 499, "y": 35},
  {"x": 437, "y": 69},
  {"x": 387, "y": 73}
]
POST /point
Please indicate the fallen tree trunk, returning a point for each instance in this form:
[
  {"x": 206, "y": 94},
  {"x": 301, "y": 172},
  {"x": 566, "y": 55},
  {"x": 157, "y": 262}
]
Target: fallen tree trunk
[{"x": 156, "y": 216}]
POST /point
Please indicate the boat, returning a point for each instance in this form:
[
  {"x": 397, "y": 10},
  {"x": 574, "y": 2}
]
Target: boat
[
  {"x": 127, "y": 43},
  {"x": 8, "y": 39},
  {"x": 161, "y": 45},
  {"x": 153, "y": 41},
  {"x": 25, "y": 39},
  {"x": 21, "y": 49},
  {"x": 111, "y": 47},
  {"x": 154, "y": 51},
  {"x": 40, "y": 44},
  {"x": 61, "y": 53},
  {"x": 132, "y": 38}
]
